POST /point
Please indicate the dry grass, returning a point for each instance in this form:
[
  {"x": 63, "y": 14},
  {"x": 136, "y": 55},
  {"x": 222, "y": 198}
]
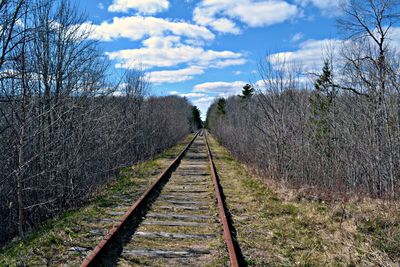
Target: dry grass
[
  {"x": 215, "y": 246},
  {"x": 278, "y": 226},
  {"x": 51, "y": 244}
]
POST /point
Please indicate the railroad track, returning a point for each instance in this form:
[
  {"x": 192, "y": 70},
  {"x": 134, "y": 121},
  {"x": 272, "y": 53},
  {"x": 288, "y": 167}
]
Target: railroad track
[{"x": 180, "y": 220}]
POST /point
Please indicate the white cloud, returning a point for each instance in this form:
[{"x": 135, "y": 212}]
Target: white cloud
[
  {"x": 310, "y": 55},
  {"x": 142, "y": 6},
  {"x": 228, "y": 62},
  {"x": 224, "y": 25},
  {"x": 138, "y": 27},
  {"x": 297, "y": 37},
  {"x": 203, "y": 103},
  {"x": 214, "y": 90},
  {"x": 200, "y": 100},
  {"x": 100, "y": 5},
  {"x": 328, "y": 8},
  {"x": 169, "y": 51},
  {"x": 189, "y": 95},
  {"x": 219, "y": 14},
  {"x": 302, "y": 81},
  {"x": 174, "y": 76},
  {"x": 206, "y": 100},
  {"x": 322, "y": 4},
  {"x": 257, "y": 14},
  {"x": 204, "y": 94},
  {"x": 194, "y": 95},
  {"x": 394, "y": 38},
  {"x": 220, "y": 88}
]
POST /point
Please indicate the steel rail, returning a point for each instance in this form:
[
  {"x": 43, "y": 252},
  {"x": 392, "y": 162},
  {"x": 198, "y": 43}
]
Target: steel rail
[
  {"x": 91, "y": 259},
  {"x": 227, "y": 231}
]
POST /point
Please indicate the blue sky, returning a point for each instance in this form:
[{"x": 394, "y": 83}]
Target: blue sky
[{"x": 209, "y": 48}]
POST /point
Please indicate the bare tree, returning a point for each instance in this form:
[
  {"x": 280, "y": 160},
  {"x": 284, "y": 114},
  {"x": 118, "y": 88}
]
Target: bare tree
[
  {"x": 368, "y": 69},
  {"x": 340, "y": 136},
  {"x": 63, "y": 129},
  {"x": 11, "y": 18}
]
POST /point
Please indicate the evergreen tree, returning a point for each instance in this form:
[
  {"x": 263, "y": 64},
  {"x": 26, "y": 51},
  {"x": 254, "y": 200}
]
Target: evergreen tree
[
  {"x": 247, "y": 91},
  {"x": 323, "y": 110},
  {"x": 196, "y": 119}
]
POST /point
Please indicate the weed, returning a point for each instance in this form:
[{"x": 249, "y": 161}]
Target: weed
[
  {"x": 51, "y": 243},
  {"x": 274, "y": 231}
]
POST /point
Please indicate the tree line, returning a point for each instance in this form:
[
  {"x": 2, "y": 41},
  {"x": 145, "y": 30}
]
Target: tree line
[
  {"x": 66, "y": 125},
  {"x": 342, "y": 134}
]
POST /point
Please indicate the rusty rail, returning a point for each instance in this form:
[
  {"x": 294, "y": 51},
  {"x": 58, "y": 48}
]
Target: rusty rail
[
  {"x": 112, "y": 234},
  {"x": 227, "y": 231}
]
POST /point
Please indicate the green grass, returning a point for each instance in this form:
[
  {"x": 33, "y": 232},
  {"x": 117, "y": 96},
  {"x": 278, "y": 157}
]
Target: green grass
[
  {"x": 50, "y": 244},
  {"x": 273, "y": 231},
  {"x": 385, "y": 232}
]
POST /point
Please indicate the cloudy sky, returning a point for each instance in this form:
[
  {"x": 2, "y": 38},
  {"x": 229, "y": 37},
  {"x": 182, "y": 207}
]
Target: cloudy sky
[{"x": 209, "y": 48}]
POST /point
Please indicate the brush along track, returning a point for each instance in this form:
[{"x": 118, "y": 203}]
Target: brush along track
[{"x": 175, "y": 222}]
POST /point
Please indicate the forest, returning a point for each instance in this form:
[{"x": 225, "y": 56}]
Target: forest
[
  {"x": 66, "y": 125},
  {"x": 337, "y": 130},
  {"x": 69, "y": 123}
]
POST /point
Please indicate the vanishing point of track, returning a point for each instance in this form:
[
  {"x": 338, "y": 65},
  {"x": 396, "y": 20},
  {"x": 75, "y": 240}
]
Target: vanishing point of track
[{"x": 172, "y": 223}]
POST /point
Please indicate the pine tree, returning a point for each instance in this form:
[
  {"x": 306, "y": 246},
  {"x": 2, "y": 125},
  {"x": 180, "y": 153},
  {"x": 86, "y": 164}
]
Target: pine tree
[
  {"x": 323, "y": 110},
  {"x": 196, "y": 119},
  {"x": 247, "y": 91}
]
